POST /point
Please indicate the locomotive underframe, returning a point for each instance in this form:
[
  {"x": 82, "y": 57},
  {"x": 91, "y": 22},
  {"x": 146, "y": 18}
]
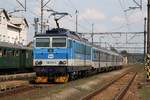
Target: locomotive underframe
[{"x": 61, "y": 74}]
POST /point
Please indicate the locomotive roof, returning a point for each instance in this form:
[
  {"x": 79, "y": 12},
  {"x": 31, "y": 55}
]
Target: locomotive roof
[
  {"x": 54, "y": 32},
  {"x": 10, "y": 45},
  {"x": 63, "y": 32}
]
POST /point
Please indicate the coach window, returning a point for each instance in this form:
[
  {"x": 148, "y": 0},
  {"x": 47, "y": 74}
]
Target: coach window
[
  {"x": 27, "y": 55},
  {"x": 1, "y": 52},
  {"x": 13, "y": 52},
  {"x": 9, "y": 53},
  {"x": 42, "y": 42},
  {"x": 59, "y": 42},
  {"x": 17, "y": 53},
  {"x": 4, "y": 53}
]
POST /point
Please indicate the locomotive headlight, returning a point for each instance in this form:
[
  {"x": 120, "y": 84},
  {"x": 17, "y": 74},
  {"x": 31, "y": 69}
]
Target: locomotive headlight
[
  {"x": 62, "y": 62},
  {"x": 38, "y": 62}
]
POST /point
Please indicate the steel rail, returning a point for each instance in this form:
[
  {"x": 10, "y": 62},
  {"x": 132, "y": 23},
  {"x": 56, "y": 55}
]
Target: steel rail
[
  {"x": 89, "y": 96},
  {"x": 124, "y": 90},
  {"x": 14, "y": 90}
]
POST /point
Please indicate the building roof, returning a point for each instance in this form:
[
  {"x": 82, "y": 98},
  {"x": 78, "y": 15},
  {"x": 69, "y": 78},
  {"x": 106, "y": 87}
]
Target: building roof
[
  {"x": 18, "y": 20},
  {"x": 5, "y": 13},
  {"x": 10, "y": 45}
]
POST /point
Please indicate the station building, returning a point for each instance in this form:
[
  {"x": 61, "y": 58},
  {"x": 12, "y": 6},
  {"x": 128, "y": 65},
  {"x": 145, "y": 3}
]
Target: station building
[{"x": 13, "y": 29}]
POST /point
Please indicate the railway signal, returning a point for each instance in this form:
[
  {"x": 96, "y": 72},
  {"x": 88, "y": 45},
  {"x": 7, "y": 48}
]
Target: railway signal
[{"x": 147, "y": 67}]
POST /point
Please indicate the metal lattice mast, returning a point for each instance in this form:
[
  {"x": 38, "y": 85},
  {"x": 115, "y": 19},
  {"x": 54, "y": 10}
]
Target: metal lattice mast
[
  {"x": 76, "y": 21},
  {"x": 42, "y": 12},
  {"x": 145, "y": 37},
  {"x": 148, "y": 27},
  {"x": 41, "y": 16}
]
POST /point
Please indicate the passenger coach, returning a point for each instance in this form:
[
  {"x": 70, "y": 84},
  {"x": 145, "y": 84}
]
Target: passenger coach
[
  {"x": 61, "y": 54},
  {"x": 15, "y": 59}
]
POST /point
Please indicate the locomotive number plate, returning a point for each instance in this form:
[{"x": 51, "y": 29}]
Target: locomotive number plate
[
  {"x": 51, "y": 62},
  {"x": 50, "y": 56}
]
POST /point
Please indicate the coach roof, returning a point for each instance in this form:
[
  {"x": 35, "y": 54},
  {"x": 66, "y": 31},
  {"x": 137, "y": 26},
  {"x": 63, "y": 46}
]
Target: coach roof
[{"x": 10, "y": 45}]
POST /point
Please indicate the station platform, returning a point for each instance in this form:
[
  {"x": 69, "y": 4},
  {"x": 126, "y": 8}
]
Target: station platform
[
  {"x": 12, "y": 85},
  {"x": 17, "y": 76}
]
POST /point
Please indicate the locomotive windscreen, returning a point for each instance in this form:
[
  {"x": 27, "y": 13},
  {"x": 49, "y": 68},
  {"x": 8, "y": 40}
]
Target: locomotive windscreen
[
  {"x": 59, "y": 42},
  {"x": 42, "y": 42}
]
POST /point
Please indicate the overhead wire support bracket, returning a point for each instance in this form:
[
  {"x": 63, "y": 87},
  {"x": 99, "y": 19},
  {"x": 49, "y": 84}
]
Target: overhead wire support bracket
[
  {"x": 21, "y": 4},
  {"x": 139, "y": 6},
  {"x": 109, "y": 33},
  {"x": 46, "y": 3},
  {"x": 42, "y": 12}
]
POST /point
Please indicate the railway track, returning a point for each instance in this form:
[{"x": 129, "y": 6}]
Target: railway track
[
  {"x": 115, "y": 90},
  {"x": 15, "y": 83},
  {"x": 15, "y": 86},
  {"x": 19, "y": 86}
]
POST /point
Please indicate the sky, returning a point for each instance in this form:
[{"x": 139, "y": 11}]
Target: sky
[{"x": 106, "y": 15}]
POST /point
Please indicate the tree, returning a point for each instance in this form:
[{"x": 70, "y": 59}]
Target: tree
[
  {"x": 113, "y": 49},
  {"x": 124, "y": 53}
]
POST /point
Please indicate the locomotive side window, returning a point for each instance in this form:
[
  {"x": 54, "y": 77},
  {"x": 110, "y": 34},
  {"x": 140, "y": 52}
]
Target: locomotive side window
[
  {"x": 96, "y": 55},
  {"x": 42, "y": 42},
  {"x": 69, "y": 45},
  {"x": 59, "y": 42}
]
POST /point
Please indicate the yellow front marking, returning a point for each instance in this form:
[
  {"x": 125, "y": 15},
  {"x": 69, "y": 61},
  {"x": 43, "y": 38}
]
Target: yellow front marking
[
  {"x": 41, "y": 79},
  {"x": 61, "y": 79}
]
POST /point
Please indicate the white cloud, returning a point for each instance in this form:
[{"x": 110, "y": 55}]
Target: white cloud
[
  {"x": 132, "y": 19},
  {"x": 101, "y": 29},
  {"x": 144, "y": 1},
  {"x": 137, "y": 17},
  {"x": 117, "y": 19},
  {"x": 92, "y": 14}
]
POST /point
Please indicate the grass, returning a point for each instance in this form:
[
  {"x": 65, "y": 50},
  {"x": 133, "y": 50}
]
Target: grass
[
  {"x": 145, "y": 93},
  {"x": 144, "y": 90}
]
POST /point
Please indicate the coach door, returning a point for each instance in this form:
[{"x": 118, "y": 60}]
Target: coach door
[{"x": 22, "y": 58}]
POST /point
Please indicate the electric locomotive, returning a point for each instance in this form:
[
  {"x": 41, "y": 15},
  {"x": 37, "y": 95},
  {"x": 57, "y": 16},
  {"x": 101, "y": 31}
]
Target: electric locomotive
[{"x": 61, "y": 55}]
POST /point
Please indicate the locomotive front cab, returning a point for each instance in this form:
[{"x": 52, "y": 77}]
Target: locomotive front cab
[
  {"x": 50, "y": 51},
  {"x": 50, "y": 58}
]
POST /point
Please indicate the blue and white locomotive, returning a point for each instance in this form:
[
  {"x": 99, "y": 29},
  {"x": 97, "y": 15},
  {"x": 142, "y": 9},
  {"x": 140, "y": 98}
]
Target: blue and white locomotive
[{"x": 60, "y": 55}]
